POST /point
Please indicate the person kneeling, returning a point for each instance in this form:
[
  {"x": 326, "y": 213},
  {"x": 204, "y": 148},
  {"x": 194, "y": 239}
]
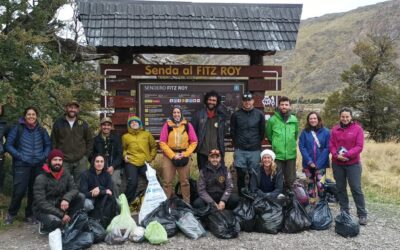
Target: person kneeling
[
  {"x": 215, "y": 185},
  {"x": 267, "y": 179},
  {"x": 56, "y": 197}
]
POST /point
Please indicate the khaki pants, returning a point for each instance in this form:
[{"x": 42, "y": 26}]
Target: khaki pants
[
  {"x": 77, "y": 168},
  {"x": 169, "y": 171}
]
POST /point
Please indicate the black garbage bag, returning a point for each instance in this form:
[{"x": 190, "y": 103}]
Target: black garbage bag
[
  {"x": 97, "y": 229},
  {"x": 331, "y": 190},
  {"x": 296, "y": 218},
  {"x": 202, "y": 213},
  {"x": 245, "y": 214},
  {"x": 105, "y": 209},
  {"x": 178, "y": 207},
  {"x": 346, "y": 225},
  {"x": 163, "y": 216},
  {"x": 76, "y": 234},
  {"x": 190, "y": 226},
  {"x": 321, "y": 216},
  {"x": 223, "y": 224},
  {"x": 269, "y": 215}
]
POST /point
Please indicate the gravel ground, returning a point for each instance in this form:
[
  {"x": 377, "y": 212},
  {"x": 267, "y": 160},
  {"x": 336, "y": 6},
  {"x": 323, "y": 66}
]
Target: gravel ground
[{"x": 382, "y": 232}]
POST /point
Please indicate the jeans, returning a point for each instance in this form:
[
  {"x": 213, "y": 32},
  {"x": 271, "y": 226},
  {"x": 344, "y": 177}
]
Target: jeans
[
  {"x": 244, "y": 162},
  {"x": 23, "y": 180},
  {"x": 289, "y": 172},
  {"x": 76, "y": 168},
  {"x": 349, "y": 174},
  {"x": 132, "y": 174}
]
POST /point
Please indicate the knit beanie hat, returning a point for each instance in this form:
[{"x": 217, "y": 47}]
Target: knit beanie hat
[
  {"x": 268, "y": 152},
  {"x": 55, "y": 153},
  {"x": 132, "y": 118}
]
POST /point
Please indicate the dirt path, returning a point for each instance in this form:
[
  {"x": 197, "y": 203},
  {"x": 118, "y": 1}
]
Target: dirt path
[{"x": 382, "y": 232}]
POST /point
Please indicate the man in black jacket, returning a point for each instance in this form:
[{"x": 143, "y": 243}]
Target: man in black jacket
[
  {"x": 2, "y": 134},
  {"x": 109, "y": 144},
  {"x": 56, "y": 197},
  {"x": 247, "y": 131},
  {"x": 209, "y": 124}
]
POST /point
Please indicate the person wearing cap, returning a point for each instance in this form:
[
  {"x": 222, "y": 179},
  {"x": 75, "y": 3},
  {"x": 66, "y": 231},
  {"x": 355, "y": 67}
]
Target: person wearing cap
[
  {"x": 215, "y": 184},
  {"x": 56, "y": 196},
  {"x": 109, "y": 145},
  {"x": 209, "y": 124},
  {"x": 247, "y": 131},
  {"x": 138, "y": 147},
  {"x": 267, "y": 179},
  {"x": 314, "y": 149},
  {"x": 178, "y": 140},
  {"x": 29, "y": 144},
  {"x": 73, "y": 137},
  {"x": 282, "y": 130}
]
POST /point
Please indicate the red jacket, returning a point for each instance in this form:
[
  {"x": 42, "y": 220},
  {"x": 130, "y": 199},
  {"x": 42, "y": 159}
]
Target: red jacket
[{"x": 351, "y": 138}]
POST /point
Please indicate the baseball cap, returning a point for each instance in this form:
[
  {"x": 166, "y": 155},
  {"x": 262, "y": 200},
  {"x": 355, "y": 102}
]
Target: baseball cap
[
  {"x": 247, "y": 96},
  {"x": 106, "y": 119},
  {"x": 214, "y": 152},
  {"x": 73, "y": 102}
]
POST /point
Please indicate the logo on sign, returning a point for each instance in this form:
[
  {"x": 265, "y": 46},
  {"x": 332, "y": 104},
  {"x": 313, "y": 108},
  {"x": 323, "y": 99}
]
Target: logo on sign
[{"x": 268, "y": 101}]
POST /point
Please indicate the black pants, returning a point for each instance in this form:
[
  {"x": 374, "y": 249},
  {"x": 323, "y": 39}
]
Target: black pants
[
  {"x": 132, "y": 174},
  {"x": 352, "y": 175},
  {"x": 52, "y": 222},
  {"x": 23, "y": 180},
  {"x": 230, "y": 204},
  {"x": 2, "y": 172}
]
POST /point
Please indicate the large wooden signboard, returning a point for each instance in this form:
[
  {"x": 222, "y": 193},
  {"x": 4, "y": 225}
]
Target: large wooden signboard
[{"x": 156, "y": 99}]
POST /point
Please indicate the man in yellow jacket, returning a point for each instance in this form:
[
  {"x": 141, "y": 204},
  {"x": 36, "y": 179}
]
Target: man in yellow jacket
[{"x": 138, "y": 146}]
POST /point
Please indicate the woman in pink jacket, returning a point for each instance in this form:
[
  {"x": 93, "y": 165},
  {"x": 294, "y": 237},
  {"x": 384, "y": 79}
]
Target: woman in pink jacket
[
  {"x": 178, "y": 140},
  {"x": 345, "y": 145}
]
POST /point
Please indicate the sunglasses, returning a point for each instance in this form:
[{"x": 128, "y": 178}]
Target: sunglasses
[
  {"x": 214, "y": 152},
  {"x": 247, "y": 96}
]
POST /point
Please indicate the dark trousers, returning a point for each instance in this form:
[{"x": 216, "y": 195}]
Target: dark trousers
[
  {"x": 2, "y": 172},
  {"x": 230, "y": 204},
  {"x": 241, "y": 179},
  {"x": 52, "y": 222},
  {"x": 132, "y": 174},
  {"x": 203, "y": 159},
  {"x": 23, "y": 180},
  {"x": 289, "y": 172},
  {"x": 352, "y": 175}
]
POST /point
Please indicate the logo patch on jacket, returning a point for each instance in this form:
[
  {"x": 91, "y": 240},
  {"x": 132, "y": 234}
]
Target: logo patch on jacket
[{"x": 221, "y": 179}]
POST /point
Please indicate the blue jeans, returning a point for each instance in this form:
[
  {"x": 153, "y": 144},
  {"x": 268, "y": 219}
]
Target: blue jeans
[
  {"x": 352, "y": 175},
  {"x": 244, "y": 162}
]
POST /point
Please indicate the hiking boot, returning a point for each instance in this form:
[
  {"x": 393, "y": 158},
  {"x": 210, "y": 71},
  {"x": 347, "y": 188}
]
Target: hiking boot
[
  {"x": 362, "y": 220},
  {"x": 9, "y": 219}
]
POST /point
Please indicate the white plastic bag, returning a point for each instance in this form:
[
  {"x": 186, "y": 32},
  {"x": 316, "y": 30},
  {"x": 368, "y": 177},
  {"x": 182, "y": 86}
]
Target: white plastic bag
[
  {"x": 55, "y": 240},
  {"x": 154, "y": 194}
]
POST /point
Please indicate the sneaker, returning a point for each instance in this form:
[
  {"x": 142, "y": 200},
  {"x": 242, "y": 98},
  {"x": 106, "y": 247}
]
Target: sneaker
[
  {"x": 9, "y": 219},
  {"x": 362, "y": 220},
  {"x": 281, "y": 196}
]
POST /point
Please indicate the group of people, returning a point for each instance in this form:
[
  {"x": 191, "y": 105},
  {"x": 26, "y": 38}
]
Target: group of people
[{"x": 65, "y": 184}]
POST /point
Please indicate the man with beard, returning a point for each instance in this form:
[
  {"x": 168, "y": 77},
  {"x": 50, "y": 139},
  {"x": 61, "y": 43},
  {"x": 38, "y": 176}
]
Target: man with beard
[
  {"x": 247, "y": 131},
  {"x": 56, "y": 197},
  {"x": 73, "y": 137},
  {"x": 109, "y": 145},
  {"x": 209, "y": 124},
  {"x": 282, "y": 131}
]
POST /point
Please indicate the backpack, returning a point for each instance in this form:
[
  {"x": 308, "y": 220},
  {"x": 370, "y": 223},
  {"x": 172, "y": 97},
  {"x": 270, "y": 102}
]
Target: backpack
[{"x": 186, "y": 129}]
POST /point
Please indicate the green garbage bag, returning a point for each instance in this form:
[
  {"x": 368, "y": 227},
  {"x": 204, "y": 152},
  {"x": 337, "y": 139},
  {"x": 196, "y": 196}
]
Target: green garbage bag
[
  {"x": 155, "y": 233},
  {"x": 124, "y": 221}
]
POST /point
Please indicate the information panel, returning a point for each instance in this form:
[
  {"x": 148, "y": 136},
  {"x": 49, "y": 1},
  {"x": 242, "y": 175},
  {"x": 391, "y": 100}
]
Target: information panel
[{"x": 156, "y": 99}]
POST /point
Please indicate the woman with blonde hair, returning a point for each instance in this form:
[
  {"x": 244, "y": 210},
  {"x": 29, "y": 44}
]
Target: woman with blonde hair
[
  {"x": 178, "y": 140},
  {"x": 267, "y": 179}
]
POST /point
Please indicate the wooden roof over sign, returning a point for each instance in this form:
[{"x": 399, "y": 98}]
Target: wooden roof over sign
[{"x": 176, "y": 27}]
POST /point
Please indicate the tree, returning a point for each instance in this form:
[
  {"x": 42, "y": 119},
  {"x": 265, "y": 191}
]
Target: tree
[
  {"x": 38, "y": 68},
  {"x": 373, "y": 88}
]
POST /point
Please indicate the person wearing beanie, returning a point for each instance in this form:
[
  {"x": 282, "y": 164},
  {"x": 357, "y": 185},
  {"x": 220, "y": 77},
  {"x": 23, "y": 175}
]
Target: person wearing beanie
[
  {"x": 314, "y": 149},
  {"x": 139, "y": 146},
  {"x": 29, "y": 144},
  {"x": 178, "y": 140},
  {"x": 72, "y": 135},
  {"x": 282, "y": 130},
  {"x": 56, "y": 196},
  {"x": 267, "y": 179},
  {"x": 109, "y": 145}
]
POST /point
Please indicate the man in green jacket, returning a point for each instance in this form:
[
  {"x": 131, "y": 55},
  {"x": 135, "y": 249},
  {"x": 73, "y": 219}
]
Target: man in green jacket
[{"x": 282, "y": 130}]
